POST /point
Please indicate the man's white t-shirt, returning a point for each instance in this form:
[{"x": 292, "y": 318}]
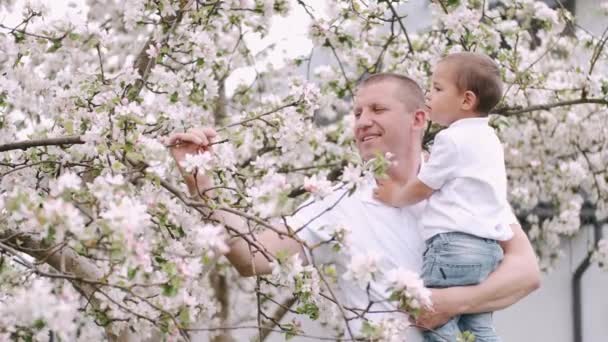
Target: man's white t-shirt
[
  {"x": 390, "y": 233},
  {"x": 466, "y": 169}
]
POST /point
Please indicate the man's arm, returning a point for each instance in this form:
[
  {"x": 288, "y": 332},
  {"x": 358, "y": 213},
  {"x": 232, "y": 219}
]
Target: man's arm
[
  {"x": 243, "y": 255},
  {"x": 249, "y": 253},
  {"x": 516, "y": 276}
]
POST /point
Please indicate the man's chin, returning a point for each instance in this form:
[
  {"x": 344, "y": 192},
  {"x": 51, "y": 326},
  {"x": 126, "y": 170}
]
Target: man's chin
[{"x": 370, "y": 153}]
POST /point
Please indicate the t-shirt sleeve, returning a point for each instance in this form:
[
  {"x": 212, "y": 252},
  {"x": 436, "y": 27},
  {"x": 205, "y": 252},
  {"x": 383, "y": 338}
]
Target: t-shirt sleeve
[
  {"x": 509, "y": 216},
  {"x": 442, "y": 163},
  {"x": 315, "y": 224}
]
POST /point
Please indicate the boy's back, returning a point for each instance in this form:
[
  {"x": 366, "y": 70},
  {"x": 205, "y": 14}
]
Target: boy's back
[{"x": 467, "y": 166}]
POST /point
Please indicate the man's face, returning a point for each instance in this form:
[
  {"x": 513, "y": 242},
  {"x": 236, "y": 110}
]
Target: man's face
[
  {"x": 382, "y": 122},
  {"x": 444, "y": 100}
]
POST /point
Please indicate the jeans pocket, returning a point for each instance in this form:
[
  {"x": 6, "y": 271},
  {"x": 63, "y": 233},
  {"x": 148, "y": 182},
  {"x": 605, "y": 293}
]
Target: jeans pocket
[
  {"x": 443, "y": 274},
  {"x": 426, "y": 250}
]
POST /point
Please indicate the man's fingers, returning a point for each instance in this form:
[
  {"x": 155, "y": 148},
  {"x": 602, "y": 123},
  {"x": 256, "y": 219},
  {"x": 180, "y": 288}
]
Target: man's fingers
[
  {"x": 200, "y": 135},
  {"x": 209, "y": 132},
  {"x": 206, "y": 134},
  {"x": 184, "y": 138}
]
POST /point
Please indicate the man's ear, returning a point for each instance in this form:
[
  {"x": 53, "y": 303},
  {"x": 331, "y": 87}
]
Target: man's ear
[
  {"x": 420, "y": 119},
  {"x": 469, "y": 101}
]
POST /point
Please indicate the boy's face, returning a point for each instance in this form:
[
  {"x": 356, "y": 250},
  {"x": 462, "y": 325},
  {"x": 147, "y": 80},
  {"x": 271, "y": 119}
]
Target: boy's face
[{"x": 444, "y": 99}]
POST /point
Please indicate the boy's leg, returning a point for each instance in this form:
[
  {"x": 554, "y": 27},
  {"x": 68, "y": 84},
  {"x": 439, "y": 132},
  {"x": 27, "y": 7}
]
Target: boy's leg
[
  {"x": 445, "y": 333},
  {"x": 456, "y": 259},
  {"x": 449, "y": 331},
  {"x": 479, "y": 325}
]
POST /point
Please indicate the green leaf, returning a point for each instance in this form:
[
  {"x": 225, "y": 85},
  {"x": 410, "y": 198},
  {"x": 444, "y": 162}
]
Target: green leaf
[
  {"x": 73, "y": 36},
  {"x": 169, "y": 268},
  {"x": 174, "y": 97},
  {"x": 330, "y": 271},
  {"x": 369, "y": 330},
  {"x": 56, "y": 46},
  {"x": 170, "y": 290},
  {"x": 282, "y": 256},
  {"x": 19, "y": 37},
  {"x": 184, "y": 316},
  {"x": 39, "y": 324},
  {"x": 465, "y": 336},
  {"x": 309, "y": 309},
  {"x": 132, "y": 272}
]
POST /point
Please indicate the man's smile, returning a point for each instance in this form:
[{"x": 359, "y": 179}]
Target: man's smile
[{"x": 368, "y": 136}]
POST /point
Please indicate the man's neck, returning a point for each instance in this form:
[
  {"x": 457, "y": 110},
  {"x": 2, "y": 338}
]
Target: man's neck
[{"x": 407, "y": 165}]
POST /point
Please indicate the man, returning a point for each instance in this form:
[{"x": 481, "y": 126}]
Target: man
[{"x": 389, "y": 117}]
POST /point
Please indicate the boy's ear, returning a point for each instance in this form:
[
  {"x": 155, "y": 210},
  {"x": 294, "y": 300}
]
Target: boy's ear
[{"x": 469, "y": 100}]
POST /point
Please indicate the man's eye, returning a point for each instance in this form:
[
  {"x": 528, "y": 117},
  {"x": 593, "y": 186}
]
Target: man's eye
[
  {"x": 379, "y": 109},
  {"x": 357, "y": 114}
]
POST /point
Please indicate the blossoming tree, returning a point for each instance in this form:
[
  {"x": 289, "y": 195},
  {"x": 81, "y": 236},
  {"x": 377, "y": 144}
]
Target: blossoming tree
[{"x": 100, "y": 239}]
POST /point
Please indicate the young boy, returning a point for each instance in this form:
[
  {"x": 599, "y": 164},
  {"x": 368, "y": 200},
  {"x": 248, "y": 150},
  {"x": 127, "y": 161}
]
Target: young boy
[{"x": 466, "y": 184}]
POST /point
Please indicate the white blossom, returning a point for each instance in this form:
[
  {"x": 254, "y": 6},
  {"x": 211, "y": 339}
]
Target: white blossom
[
  {"x": 411, "y": 286},
  {"x": 284, "y": 271},
  {"x": 318, "y": 187},
  {"x": 128, "y": 215},
  {"x": 211, "y": 238},
  {"x": 363, "y": 268},
  {"x": 200, "y": 161},
  {"x": 67, "y": 181},
  {"x": 153, "y": 51},
  {"x": 352, "y": 175},
  {"x": 601, "y": 254}
]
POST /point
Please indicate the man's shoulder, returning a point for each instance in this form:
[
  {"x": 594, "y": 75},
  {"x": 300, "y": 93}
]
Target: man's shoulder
[{"x": 339, "y": 198}]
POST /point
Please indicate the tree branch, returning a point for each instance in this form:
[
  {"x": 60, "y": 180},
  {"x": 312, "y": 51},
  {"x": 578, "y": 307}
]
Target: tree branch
[
  {"x": 25, "y": 144},
  {"x": 512, "y": 111}
]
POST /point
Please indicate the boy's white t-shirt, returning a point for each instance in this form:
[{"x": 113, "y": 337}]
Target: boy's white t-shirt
[{"x": 466, "y": 168}]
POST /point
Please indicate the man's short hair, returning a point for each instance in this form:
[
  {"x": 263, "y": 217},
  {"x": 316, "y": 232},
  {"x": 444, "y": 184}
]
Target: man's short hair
[
  {"x": 409, "y": 94},
  {"x": 478, "y": 73}
]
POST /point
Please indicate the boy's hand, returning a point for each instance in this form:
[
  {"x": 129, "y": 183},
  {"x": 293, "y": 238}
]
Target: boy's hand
[{"x": 388, "y": 192}]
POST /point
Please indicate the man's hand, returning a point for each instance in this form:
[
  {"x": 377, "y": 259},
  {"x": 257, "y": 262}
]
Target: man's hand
[
  {"x": 388, "y": 192},
  {"x": 195, "y": 140},
  {"x": 442, "y": 311}
]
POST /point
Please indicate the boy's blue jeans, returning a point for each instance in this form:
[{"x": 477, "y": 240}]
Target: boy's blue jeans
[{"x": 456, "y": 259}]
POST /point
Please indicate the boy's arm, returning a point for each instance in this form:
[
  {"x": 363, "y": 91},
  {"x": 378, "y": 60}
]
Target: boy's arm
[
  {"x": 397, "y": 195},
  {"x": 516, "y": 276}
]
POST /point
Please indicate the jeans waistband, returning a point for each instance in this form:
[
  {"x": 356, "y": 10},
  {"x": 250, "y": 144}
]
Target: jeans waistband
[{"x": 451, "y": 236}]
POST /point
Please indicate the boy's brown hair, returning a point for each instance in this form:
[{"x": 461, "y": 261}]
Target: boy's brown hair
[{"x": 480, "y": 74}]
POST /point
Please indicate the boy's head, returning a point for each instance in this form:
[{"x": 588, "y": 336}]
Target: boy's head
[{"x": 464, "y": 84}]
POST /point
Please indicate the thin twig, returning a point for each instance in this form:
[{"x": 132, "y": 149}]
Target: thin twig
[{"x": 407, "y": 37}]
